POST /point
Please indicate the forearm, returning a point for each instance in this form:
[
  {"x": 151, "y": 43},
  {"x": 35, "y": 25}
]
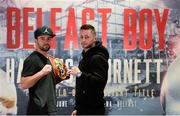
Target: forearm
[
  {"x": 29, "y": 81},
  {"x": 98, "y": 75},
  {"x": 94, "y": 77},
  {"x": 98, "y": 70}
]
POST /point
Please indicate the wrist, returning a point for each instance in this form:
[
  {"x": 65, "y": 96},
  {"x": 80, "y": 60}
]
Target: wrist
[
  {"x": 41, "y": 73},
  {"x": 79, "y": 74}
]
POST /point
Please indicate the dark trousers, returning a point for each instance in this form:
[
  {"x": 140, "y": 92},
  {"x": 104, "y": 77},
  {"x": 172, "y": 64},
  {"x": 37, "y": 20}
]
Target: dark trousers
[{"x": 34, "y": 109}]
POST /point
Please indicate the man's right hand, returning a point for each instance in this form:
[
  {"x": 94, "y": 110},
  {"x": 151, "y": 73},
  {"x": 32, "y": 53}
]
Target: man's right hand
[
  {"x": 46, "y": 69},
  {"x": 75, "y": 71},
  {"x": 74, "y": 113}
]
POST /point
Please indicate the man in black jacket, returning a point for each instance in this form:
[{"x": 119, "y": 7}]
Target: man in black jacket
[{"x": 92, "y": 74}]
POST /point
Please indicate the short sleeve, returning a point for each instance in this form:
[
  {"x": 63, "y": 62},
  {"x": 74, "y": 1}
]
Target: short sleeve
[{"x": 29, "y": 68}]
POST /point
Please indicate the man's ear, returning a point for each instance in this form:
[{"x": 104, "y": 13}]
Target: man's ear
[
  {"x": 35, "y": 43},
  {"x": 95, "y": 39},
  {"x": 35, "y": 40},
  {"x": 95, "y": 36}
]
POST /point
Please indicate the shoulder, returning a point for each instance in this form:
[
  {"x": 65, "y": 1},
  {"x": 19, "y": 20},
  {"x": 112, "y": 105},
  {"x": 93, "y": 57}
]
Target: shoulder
[
  {"x": 32, "y": 58},
  {"x": 100, "y": 55},
  {"x": 98, "y": 58}
]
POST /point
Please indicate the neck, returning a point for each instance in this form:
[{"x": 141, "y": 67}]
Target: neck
[
  {"x": 43, "y": 53},
  {"x": 89, "y": 47}
]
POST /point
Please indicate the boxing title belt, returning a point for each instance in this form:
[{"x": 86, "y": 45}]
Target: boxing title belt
[{"x": 59, "y": 69}]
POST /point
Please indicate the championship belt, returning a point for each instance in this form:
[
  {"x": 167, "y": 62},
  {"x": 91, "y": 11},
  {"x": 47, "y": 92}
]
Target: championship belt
[{"x": 59, "y": 69}]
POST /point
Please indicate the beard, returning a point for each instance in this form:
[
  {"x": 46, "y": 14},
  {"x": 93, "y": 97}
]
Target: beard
[{"x": 45, "y": 48}]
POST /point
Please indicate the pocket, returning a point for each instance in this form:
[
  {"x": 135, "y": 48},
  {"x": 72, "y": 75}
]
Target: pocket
[{"x": 38, "y": 102}]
